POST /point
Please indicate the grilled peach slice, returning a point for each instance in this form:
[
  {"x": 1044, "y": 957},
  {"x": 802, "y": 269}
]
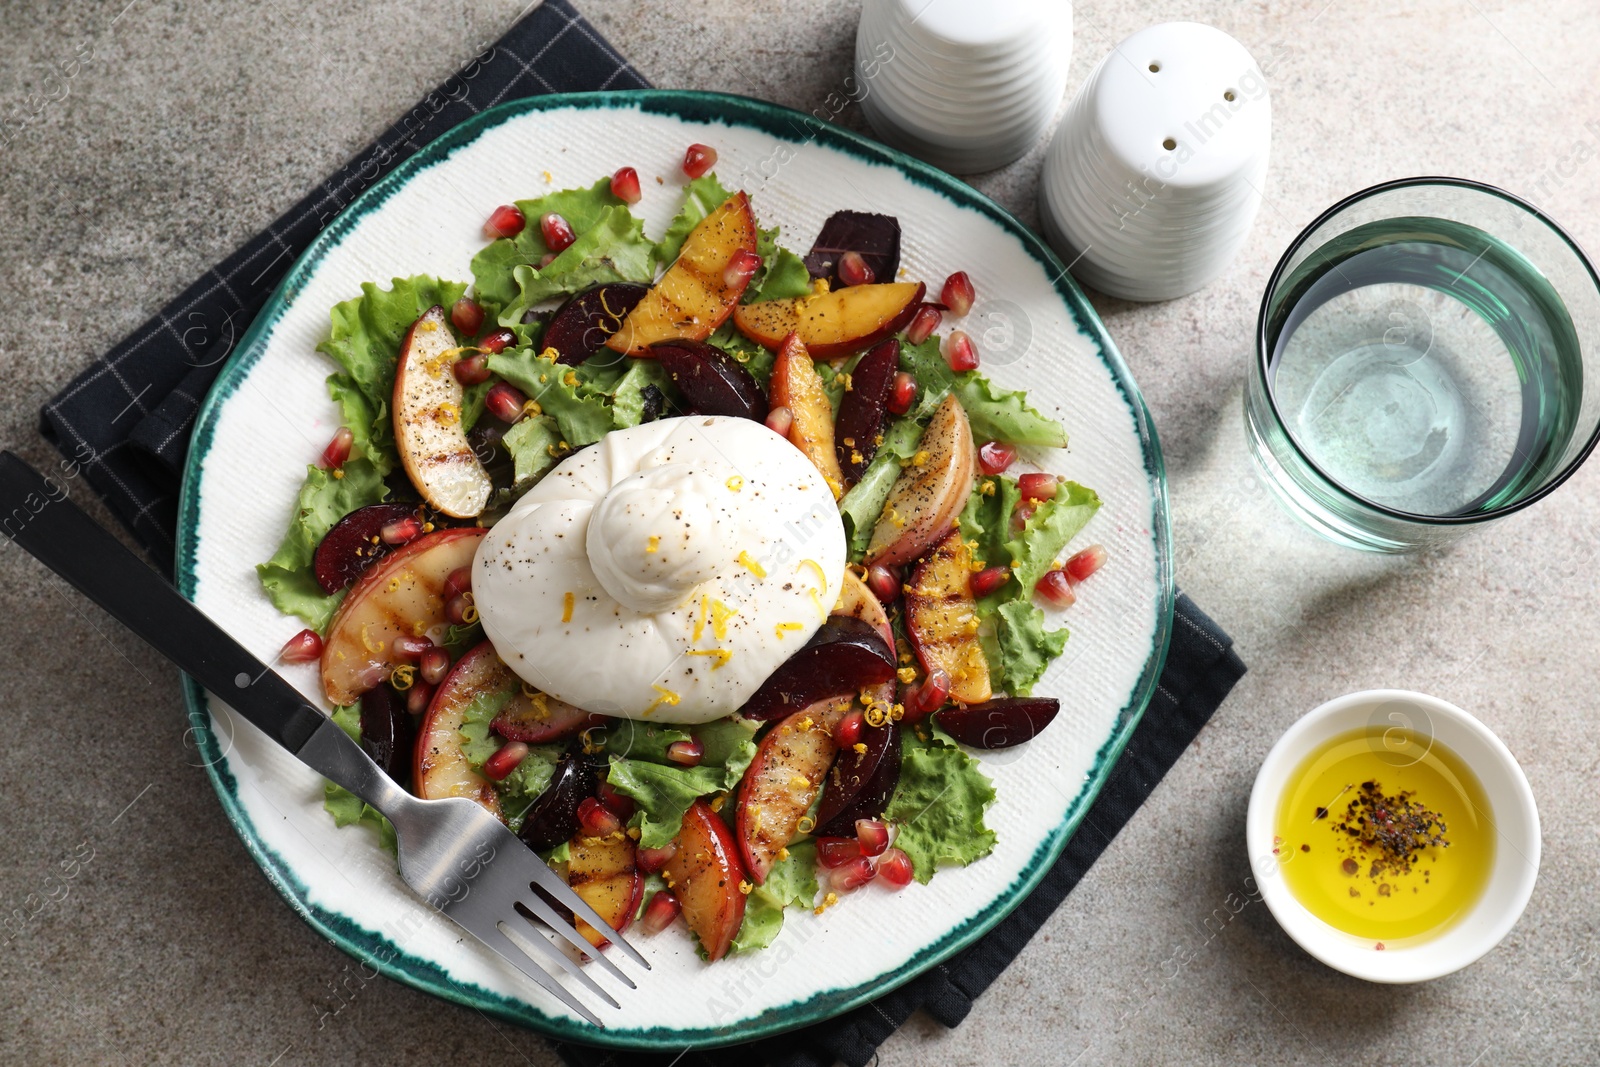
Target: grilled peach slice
[
  {"x": 942, "y": 620},
  {"x": 603, "y": 872},
  {"x": 427, "y": 420},
  {"x": 931, "y": 490},
  {"x": 782, "y": 781},
  {"x": 796, "y": 385},
  {"x": 698, "y": 292},
  {"x": 835, "y": 324},
  {"x": 401, "y": 594},
  {"x": 441, "y": 767},
  {"x": 705, "y": 873}
]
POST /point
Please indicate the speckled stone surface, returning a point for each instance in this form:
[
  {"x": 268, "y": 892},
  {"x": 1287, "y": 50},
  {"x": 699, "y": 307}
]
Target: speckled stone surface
[{"x": 181, "y": 128}]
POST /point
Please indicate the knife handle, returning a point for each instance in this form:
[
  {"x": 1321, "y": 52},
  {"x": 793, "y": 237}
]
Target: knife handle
[{"x": 36, "y": 513}]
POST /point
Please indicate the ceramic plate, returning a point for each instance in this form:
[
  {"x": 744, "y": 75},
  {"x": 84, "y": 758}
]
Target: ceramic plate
[{"x": 269, "y": 415}]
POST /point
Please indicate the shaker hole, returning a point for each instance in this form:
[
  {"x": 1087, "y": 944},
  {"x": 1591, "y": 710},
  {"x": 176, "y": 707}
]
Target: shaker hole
[
  {"x": 1169, "y": 144},
  {"x": 1155, "y": 68},
  {"x": 1230, "y": 96}
]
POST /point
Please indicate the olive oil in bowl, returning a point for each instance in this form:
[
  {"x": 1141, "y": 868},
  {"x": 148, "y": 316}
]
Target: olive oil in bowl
[{"x": 1385, "y": 835}]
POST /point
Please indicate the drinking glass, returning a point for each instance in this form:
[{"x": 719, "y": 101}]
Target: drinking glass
[{"x": 1419, "y": 364}]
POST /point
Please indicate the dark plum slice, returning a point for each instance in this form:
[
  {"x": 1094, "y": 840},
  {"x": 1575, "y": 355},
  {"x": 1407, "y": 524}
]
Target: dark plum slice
[
  {"x": 580, "y": 327},
  {"x": 999, "y": 723},
  {"x": 862, "y": 409},
  {"x": 711, "y": 381},
  {"x": 860, "y": 784},
  {"x": 844, "y": 656},
  {"x": 349, "y": 548},
  {"x": 876, "y": 237},
  {"x": 388, "y": 733},
  {"x": 553, "y": 817}
]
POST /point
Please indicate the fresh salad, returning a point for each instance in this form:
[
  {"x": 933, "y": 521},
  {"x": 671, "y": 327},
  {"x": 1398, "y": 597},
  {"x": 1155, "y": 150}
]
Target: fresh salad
[{"x": 706, "y": 566}]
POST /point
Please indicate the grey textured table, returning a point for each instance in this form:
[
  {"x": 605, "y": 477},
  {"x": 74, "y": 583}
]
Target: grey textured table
[{"x": 185, "y": 127}]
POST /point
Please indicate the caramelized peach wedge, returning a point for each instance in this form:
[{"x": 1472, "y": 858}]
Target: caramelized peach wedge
[
  {"x": 441, "y": 767},
  {"x": 705, "y": 872},
  {"x": 942, "y": 620},
  {"x": 782, "y": 781},
  {"x": 604, "y": 872},
  {"x": 931, "y": 491},
  {"x": 698, "y": 292},
  {"x": 834, "y": 324},
  {"x": 427, "y": 420},
  {"x": 797, "y": 387}
]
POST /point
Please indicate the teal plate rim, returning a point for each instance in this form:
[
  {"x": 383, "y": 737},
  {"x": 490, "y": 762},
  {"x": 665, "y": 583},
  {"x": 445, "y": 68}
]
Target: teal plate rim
[{"x": 382, "y": 954}]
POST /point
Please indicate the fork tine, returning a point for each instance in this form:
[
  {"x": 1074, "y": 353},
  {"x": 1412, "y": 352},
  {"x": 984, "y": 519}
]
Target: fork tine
[
  {"x": 539, "y": 943},
  {"x": 557, "y": 887},
  {"x": 551, "y": 918},
  {"x": 509, "y": 951}
]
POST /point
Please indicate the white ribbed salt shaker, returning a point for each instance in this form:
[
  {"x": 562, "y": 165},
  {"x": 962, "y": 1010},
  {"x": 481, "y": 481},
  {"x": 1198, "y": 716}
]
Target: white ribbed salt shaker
[
  {"x": 966, "y": 86},
  {"x": 1154, "y": 177}
]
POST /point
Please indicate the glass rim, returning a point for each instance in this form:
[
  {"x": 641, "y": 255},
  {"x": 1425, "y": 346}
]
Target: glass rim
[{"x": 1281, "y": 269}]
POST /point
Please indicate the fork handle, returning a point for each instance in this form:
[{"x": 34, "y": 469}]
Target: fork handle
[{"x": 37, "y": 514}]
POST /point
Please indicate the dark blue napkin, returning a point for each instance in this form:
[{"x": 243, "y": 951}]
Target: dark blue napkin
[{"x": 132, "y": 411}]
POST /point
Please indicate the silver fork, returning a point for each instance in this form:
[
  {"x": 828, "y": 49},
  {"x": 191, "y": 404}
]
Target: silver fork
[{"x": 453, "y": 853}]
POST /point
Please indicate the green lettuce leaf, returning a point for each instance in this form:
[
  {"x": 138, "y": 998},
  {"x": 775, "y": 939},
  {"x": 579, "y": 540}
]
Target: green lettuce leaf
[
  {"x": 324, "y": 499},
  {"x": 792, "y": 882},
  {"x": 365, "y": 341},
  {"x": 532, "y": 443},
  {"x": 1055, "y": 522},
  {"x": 701, "y": 197},
  {"x": 627, "y": 396},
  {"x": 581, "y": 418},
  {"x": 519, "y": 789},
  {"x": 614, "y": 249},
  {"x": 346, "y": 808},
  {"x": 862, "y": 505},
  {"x": 1025, "y": 646},
  {"x": 782, "y": 275},
  {"x": 995, "y": 414},
  {"x": 664, "y": 790},
  {"x": 939, "y": 805},
  {"x": 494, "y": 283}
]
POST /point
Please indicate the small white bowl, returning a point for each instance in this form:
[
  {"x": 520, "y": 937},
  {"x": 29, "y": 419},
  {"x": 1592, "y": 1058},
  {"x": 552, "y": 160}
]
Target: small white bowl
[{"x": 1512, "y": 814}]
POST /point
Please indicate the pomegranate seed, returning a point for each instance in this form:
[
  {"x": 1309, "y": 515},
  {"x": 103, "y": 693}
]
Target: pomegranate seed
[
  {"x": 894, "y": 867},
  {"x": 661, "y": 912},
  {"x": 595, "y": 819},
  {"x": 873, "y": 834},
  {"x": 853, "y": 875},
  {"x": 988, "y": 580},
  {"x": 467, "y": 315},
  {"x": 418, "y": 697},
  {"x": 546, "y": 259},
  {"x": 625, "y": 185},
  {"x": 958, "y": 293},
  {"x": 459, "y": 609},
  {"x": 848, "y": 730},
  {"x": 303, "y": 647},
  {"x": 837, "y": 851},
  {"x": 459, "y": 581},
  {"x": 780, "y": 421},
  {"x": 409, "y": 648},
  {"x": 498, "y": 341},
  {"x": 434, "y": 665},
  {"x": 742, "y": 266},
  {"x": 1024, "y": 512},
  {"x": 996, "y": 458},
  {"x": 698, "y": 159},
  {"x": 902, "y": 393},
  {"x": 884, "y": 582},
  {"x": 1037, "y": 486},
  {"x": 338, "y": 450},
  {"x": 853, "y": 270},
  {"x": 651, "y": 860},
  {"x": 473, "y": 369},
  {"x": 506, "y": 759},
  {"x": 923, "y": 323},
  {"x": 928, "y": 697},
  {"x": 506, "y": 220},
  {"x": 686, "y": 753},
  {"x": 1056, "y": 589},
  {"x": 1085, "y": 563},
  {"x": 557, "y": 233},
  {"x": 401, "y": 531},
  {"x": 960, "y": 352},
  {"x": 505, "y": 402},
  {"x": 619, "y": 804}
]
